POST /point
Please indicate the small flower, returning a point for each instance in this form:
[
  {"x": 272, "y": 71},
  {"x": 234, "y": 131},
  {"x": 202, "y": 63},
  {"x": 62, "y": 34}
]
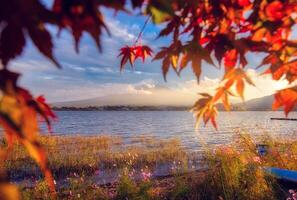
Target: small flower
[
  {"x": 97, "y": 172},
  {"x": 146, "y": 175},
  {"x": 257, "y": 159}
]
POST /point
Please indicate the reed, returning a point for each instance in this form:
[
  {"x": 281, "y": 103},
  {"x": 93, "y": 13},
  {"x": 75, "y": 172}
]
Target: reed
[
  {"x": 233, "y": 171},
  {"x": 86, "y": 154}
]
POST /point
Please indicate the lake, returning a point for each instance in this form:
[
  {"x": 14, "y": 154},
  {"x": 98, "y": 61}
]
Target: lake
[{"x": 172, "y": 124}]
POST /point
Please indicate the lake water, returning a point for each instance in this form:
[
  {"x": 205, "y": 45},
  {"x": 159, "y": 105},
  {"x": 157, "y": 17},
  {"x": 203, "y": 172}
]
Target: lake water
[{"x": 172, "y": 124}]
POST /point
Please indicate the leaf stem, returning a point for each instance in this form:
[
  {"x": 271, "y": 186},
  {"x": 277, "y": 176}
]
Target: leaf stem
[{"x": 142, "y": 29}]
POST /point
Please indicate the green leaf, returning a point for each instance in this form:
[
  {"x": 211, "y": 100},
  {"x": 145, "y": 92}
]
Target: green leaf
[{"x": 158, "y": 16}]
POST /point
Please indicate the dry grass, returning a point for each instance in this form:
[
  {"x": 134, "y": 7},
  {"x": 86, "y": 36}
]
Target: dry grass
[
  {"x": 234, "y": 171},
  {"x": 85, "y": 154},
  {"x": 237, "y": 171}
]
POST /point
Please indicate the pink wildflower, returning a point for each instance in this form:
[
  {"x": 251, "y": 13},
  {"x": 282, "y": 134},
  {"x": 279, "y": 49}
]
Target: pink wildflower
[
  {"x": 146, "y": 175},
  {"x": 257, "y": 159},
  {"x": 97, "y": 172}
]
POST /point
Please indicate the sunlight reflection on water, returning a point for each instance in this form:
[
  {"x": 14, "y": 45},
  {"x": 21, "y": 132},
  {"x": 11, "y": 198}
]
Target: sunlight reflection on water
[{"x": 172, "y": 124}]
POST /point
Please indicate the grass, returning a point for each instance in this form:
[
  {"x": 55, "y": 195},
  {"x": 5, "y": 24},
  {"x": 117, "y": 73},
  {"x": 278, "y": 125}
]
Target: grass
[
  {"x": 86, "y": 154},
  {"x": 233, "y": 171}
]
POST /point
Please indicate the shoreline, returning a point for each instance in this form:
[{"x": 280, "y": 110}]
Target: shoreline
[
  {"x": 132, "y": 170},
  {"x": 108, "y": 155}
]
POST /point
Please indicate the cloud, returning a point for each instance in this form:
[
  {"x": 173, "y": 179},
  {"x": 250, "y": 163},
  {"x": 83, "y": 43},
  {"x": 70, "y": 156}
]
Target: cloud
[
  {"x": 90, "y": 74},
  {"x": 78, "y": 90},
  {"x": 69, "y": 88},
  {"x": 264, "y": 85},
  {"x": 31, "y": 65},
  {"x": 120, "y": 31}
]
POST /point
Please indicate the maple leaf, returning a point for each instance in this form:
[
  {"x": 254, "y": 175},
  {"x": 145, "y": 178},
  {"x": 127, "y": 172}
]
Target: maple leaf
[
  {"x": 195, "y": 53},
  {"x": 45, "y": 111},
  {"x": 132, "y": 53},
  {"x": 271, "y": 59},
  {"x": 220, "y": 44},
  {"x": 12, "y": 42},
  {"x": 172, "y": 26},
  {"x": 223, "y": 94},
  {"x": 275, "y": 10},
  {"x": 80, "y": 16},
  {"x": 142, "y": 52},
  {"x": 230, "y": 60},
  {"x": 243, "y": 3},
  {"x": 238, "y": 77},
  {"x": 204, "y": 108},
  {"x": 288, "y": 69},
  {"x": 137, "y": 3},
  {"x": 9, "y": 191},
  {"x": 170, "y": 56},
  {"x": 286, "y": 98},
  {"x": 160, "y": 10},
  {"x": 21, "y": 17},
  {"x": 18, "y": 117},
  {"x": 43, "y": 41},
  {"x": 279, "y": 69},
  {"x": 115, "y": 4},
  {"x": 127, "y": 53}
]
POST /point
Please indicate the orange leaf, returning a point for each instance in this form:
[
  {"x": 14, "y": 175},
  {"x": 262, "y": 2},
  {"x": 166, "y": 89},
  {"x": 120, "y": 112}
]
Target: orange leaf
[
  {"x": 240, "y": 88},
  {"x": 286, "y": 98},
  {"x": 9, "y": 192},
  {"x": 204, "y": 108},
  {"x": 237, "y": 76}
]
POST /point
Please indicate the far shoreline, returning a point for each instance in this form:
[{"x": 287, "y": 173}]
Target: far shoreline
[{"x": 147, "y": 108}]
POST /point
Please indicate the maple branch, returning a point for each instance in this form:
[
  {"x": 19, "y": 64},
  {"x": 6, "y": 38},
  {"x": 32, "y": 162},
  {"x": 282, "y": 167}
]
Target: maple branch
[{"x": 142, "y": 29}]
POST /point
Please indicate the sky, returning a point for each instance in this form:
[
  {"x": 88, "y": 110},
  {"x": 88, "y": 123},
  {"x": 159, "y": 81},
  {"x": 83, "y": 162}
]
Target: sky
[{"x": 91, "y": 74}]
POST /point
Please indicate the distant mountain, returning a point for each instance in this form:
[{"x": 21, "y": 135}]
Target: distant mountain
[
  {"x": 124, "y": 108},
  {"x": 150, "y": 102},
  {"x": 130, "y": 100},
  {"x": 259, "y": 104}
]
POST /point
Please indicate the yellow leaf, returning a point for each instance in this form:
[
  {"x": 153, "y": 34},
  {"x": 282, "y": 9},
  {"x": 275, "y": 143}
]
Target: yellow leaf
[
  {"x": 259, "y": 34},
  {"x": 174, "y": 60},
  {"x": 158, "y": 15},
  {"x": 9, "y": 192}
]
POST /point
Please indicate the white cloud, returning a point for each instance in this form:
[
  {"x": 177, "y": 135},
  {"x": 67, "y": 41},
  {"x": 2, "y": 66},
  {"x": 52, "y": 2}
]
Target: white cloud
[
  {"x": 125, "y": 33},
  {"x": 264, "y": 85},
  {"x": 31, "y": 66},
  {"x": 87, "y": 90},
  {"x": 74, "y": 67}
]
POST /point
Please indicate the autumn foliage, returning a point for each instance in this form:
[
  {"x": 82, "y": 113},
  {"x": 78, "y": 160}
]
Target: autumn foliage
[{"x": 220, "y": 33}]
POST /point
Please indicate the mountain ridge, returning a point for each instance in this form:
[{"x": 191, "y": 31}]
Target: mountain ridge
[{"x": 112, "y": 103}]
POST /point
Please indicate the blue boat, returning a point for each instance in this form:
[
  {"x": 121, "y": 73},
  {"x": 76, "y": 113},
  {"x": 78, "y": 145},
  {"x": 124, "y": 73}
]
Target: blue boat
[{"x": 283, "y": 174}]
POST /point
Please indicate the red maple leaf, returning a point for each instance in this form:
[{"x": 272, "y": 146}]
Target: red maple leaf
[
  {"x": 132, "y": 53},
  {"x": 142, "y": 52},
  {"x": 286, "y": 98},
  {"x": 275, "y": 10}
]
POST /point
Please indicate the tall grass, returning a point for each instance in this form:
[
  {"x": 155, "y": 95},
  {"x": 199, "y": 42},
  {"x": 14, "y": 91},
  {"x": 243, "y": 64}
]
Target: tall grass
[
  {"x": 86, "y": 154},
  {"x": 234, "y": 171}
]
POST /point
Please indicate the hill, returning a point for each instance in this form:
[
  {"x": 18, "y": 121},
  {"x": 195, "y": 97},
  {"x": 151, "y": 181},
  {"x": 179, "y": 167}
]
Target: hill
[{"x": 149, "y": 102}]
